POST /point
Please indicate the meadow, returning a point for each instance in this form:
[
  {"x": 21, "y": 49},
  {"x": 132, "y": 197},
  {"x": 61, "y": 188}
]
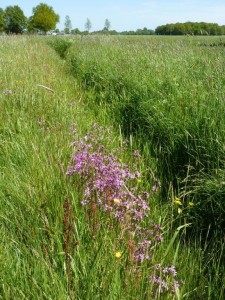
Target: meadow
[{"x": 112, "y": 178}]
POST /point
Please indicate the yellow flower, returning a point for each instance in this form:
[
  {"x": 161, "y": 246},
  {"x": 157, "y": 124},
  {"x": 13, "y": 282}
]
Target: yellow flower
[
  {"x": 177, "y": 201},
  {"x": 116, "y": 201},
  {"x": 139, "y": 180},
  {"x": 118, "y": 254},
  {"x": 191, "y": 204}
]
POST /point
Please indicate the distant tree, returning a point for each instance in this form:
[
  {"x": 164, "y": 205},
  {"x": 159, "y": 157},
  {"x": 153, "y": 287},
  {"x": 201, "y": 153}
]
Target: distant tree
[
  {"x": 75, "y": 31},
  {"x": 189, "y": 28},
  {"x": 66, "y": 30},
  {"x": 68, "y": 25},
  {"x": 144, "y": 31},
  {"x": 14, "y": 20},
  {"x": 84, "y": 32},
  {"x": 107, "y": 25},
  {"x": 44, "y": 18},
  {"x": 179, "y": 29},
  {"x": 88, "y": 25},
  {"x": 1, "y": 20},
  {"x": 222, "y": 29},
  {"x": 160, "y": 29}
]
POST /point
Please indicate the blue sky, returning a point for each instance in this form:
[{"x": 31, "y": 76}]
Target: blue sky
[{"x": 129, "y": 14}]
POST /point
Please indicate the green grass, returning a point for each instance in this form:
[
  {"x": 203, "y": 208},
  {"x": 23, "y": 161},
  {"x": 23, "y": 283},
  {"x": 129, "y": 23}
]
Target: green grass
[
  {"x": 35, "y": 138},
  {"x": 169, "y": 94}
]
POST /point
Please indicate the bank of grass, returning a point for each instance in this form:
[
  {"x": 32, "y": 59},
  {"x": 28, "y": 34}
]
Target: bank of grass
[
  {"x": 169, "y": 93},
  {"x": 35, "y": 139}
]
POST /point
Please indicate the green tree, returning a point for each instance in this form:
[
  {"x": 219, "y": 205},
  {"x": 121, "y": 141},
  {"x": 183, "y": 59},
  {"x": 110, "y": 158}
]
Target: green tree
[
  {"x": 75, "y": 31},
  {"x": 107, "y": 25},
  {"x": 1, "y": 20},
  {"x": 160, "y": 29},
  {"x": 30, "y": 26},
  {"x": 222, "y": 29},
  {"x": 14, "y": 20},
  {"x": 88, "y": 25},
  {"x": 68, "y": 25},
  {"x": 44, "y": 18}
]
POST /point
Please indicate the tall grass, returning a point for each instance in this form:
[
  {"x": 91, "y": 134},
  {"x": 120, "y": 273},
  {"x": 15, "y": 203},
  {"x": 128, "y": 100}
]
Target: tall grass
[
  {"x": 169, "y": 93},
  {"x": 46, "y": 247}
]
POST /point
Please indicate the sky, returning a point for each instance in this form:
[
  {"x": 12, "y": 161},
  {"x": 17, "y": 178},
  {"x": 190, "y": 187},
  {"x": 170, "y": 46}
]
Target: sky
[{"x": 128, "y": 14}]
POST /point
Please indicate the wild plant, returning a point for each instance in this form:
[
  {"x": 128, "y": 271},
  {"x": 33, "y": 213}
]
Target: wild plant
[{"x": 112, "y": 196}]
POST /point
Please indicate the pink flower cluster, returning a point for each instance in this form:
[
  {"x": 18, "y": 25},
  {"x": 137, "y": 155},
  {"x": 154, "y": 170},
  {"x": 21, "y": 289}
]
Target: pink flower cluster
[
  {"x": 113, "y": 187},
  {"x": 164, "y": 279}
]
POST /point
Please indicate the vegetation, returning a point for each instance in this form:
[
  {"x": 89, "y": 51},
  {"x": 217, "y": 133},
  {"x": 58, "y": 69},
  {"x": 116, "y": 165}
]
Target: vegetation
[
  {"x": 95, "y": 211},
  {"x": 1, "y": 20},
  {"x": 88, "y": 25},
  {"x": 192, "y": 28},
  {"x": 107, "y": 25},
  {"x": 162, "y": 111},
  {"x": 144, "y": 31},
  {"x": 68, "y": 25},
  {"x": 44, "y": 18},
  {"x": 14, "y": 20}
]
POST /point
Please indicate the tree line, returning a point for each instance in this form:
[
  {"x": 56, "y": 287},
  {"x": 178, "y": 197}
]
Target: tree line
[
  {"x": 44, "y": 19},
  {"x": 191, "y": 28}
]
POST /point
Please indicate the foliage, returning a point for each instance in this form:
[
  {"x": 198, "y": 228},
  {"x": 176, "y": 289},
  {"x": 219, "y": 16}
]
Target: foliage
[
  {"x": 1, "y": 20},
  {"x": 68, "y": 25},
  {"x": 44, "y": 18},
  {"x": 88, "y": 25},
  {"x": 75, "y": 31},
  {"x": 107, "y": 25},
  {"x": 14, "y": 20},
  {"x": 192, "y": 28},
  {"x": 143, "y": 31}
]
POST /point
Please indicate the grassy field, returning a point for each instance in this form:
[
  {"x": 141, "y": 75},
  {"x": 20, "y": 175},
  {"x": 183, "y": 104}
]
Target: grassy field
[
  {"x": 169, "y": 94},
  {"x": 146, "y": 119}
]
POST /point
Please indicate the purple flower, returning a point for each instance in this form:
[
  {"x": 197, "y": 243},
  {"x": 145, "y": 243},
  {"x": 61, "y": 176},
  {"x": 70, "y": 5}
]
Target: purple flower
[
  {"x": 87, "y": 191},
  {"x": 172, "y": 270},
  {"x": 176, "y": 285},
  {"x": 155, "y": 279},
  {"x": 84, "y": 202},
  {"x": 105, "y": 179},
  {"x": 164, "y": 285},
  {"x": 159, "y": 238},
  {"x": 140, "y": 257}
]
